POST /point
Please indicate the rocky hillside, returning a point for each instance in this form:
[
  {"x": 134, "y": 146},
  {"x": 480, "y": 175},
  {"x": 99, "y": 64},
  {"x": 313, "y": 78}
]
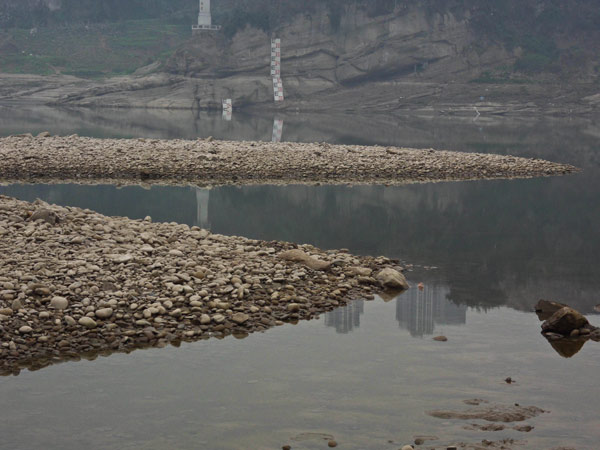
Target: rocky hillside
[{"x": 383, "y": 52}]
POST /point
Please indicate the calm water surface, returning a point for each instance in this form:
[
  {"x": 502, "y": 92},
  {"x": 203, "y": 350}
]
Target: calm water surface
[{"x": 368, "y": 373}]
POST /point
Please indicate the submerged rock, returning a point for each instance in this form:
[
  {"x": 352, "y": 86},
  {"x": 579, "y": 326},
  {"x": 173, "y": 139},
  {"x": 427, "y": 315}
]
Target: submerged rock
[{"x": 494, "y": 413}]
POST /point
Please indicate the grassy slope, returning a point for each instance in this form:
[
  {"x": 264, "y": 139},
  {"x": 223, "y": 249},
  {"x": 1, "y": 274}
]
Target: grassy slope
[{"x": 92, "y": 51}]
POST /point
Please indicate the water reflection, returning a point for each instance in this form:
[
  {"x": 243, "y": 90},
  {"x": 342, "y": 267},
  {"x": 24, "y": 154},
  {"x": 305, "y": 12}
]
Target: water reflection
[
  {"x": 202, "y": 202},
  {"x": 418, "y": 311},
  {"x": 345, "y": 319},
  {"x": 277, "y": 130}
]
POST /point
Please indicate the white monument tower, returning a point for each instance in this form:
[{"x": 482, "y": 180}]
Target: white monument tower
[{"x": 205, "y": 18}]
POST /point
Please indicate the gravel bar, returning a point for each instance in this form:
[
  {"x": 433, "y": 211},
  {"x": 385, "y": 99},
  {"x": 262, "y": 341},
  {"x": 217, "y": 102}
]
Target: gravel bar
[
  {"x": 207, "y": 162},
  {"x": 76, "y": 284}
]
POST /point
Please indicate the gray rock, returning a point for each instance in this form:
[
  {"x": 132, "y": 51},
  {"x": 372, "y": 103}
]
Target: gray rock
[
  {"x": 564, "y": 321},
  {"x": 297, "y": 255},
  {"x": 58, "y": 302},
  {"x": 87, "y": 322},
  {"x": 205, "y": 319},
  {"x": 391, "y": 278},
  {"x": 104, "y": 313},
  {"x": 25, "y": 329},
  {"x": 16, "y": 305},
  {"x": 218, "y": 318},
  {"x": 47, "y": 215},
  {"x": 240, "y": 318},
  {"x": 69, "y": 321}
]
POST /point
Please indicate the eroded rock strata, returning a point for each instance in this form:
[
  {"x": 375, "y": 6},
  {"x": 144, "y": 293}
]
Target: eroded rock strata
[
  {"x": 74, "y": 283},
  {"x": 209, "y": 162}
]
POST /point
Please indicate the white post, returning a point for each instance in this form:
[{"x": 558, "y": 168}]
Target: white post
[{"x": 204, "y": 17}]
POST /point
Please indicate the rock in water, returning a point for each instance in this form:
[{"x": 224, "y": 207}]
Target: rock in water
[
  {"x": 564, "y": 321},
  {"x": 391, "y": 278}
]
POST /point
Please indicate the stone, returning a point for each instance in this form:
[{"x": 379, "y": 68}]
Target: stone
[
  {"x": 121, "y": 259},
  {"x": 391, "y": 278},
  {"x": 407, "y": 447},
  {"x": 361, "y": 271},
  {"x": 69, "y": 320},
  {"x": 545, "y": 308},
  {"x": 218, "y": 318},
  {"x": 293, "y": 307},
  {"x": 25, "y": 329},
  {"x": 104, "y": 313},
  {"x": 332, "y": 443},
  {"x": 297, "y": 255},
  {"x": 564, "y": 321},
  {"x": 87, "y": 322},
  {"x": 58, "y": 302},
  {"x": 205, "y": 319},
  {"x": 45, "y": 214},
  {"x": 16, "y": 305},
  {"x": 440, "y": 338},
  {"x": 240, "y": 318}
]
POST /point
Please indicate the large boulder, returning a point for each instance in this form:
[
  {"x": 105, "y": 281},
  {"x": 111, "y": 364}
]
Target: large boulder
[
  {"x": 564, "y": 321},
  {"x": 391, "y": 278}
]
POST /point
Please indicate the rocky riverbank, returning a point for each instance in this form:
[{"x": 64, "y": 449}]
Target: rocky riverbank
[
  {"x": 206, "y": 162},
  {"x": 74, "y": 283}
]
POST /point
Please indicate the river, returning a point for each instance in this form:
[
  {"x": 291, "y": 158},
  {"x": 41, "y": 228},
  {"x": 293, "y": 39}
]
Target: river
[{"x": 367, "y": 374}]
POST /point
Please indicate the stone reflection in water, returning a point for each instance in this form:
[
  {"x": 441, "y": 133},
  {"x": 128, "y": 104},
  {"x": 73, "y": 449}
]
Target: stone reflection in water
[
  {"x": 419, "y": 311},
  {"x": 567, "y": 348},
  {"x": 345, "y": 319}
]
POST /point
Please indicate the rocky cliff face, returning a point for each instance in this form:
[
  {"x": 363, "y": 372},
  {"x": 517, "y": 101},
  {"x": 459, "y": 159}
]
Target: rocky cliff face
[
  {"x": 316, "y": 56},
  {"x": 416, "y": 58}
]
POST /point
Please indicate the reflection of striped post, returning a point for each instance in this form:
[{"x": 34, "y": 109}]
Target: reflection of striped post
[
  {"x": 202, "y": 200},
  {"x": 277, "y": 130},
  {"x": 276, "y": 69},
  {"x": 227, "y": 109}
]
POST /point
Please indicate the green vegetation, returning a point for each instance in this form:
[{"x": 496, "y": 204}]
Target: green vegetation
[{"x": 92, "y": 50}]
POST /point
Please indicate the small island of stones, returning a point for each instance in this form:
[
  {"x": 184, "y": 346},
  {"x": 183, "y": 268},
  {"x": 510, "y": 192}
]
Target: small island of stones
[{"x": 75, "y": 283}]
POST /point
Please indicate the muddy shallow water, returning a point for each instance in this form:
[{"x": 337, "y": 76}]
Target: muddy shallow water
[{"x": 366, "y": 374}]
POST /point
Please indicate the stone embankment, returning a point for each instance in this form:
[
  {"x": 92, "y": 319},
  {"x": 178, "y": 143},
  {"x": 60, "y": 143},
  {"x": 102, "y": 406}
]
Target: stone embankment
[
  {"x": 74, "y": 283},
  {"x": 208, "y": 162}
]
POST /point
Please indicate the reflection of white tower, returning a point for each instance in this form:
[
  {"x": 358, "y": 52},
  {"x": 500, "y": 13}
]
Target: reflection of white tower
[
  {"x": 205, "y": 18},
  {"x": 202, "y": 199}
]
